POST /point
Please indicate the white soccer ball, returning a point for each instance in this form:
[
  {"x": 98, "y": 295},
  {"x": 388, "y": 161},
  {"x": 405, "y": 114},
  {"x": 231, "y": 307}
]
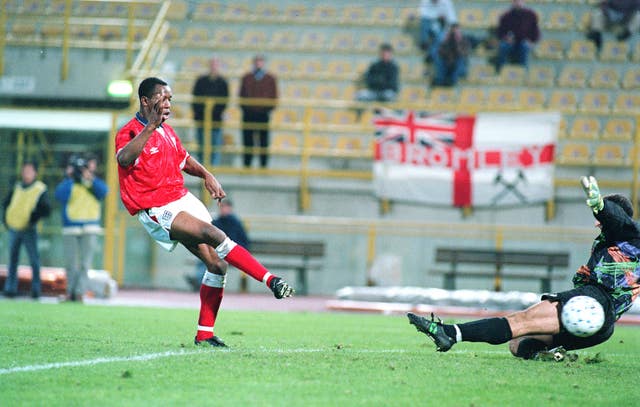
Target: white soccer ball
[{"x": 582, "y": 316}]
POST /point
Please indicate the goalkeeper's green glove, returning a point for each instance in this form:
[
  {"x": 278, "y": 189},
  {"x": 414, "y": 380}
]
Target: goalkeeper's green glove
[{"x": 594, "y": 198}]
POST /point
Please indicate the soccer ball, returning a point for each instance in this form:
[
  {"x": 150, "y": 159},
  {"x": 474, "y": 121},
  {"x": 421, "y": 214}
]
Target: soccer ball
[{"x": 582, "y": 316}]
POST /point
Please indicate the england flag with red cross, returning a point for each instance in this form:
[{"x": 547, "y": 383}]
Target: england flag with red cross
[{"x": 485, "y": 159}]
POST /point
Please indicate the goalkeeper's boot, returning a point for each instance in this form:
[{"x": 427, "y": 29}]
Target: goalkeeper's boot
[
  {"x": 214, "y": 341},
  {"x": 433, "y": 329},
  {"x": 280, "y": 288}
]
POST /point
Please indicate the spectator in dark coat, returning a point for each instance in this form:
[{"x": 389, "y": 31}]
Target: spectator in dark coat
[
  {"x": 215, "y": 85},
  {"x": 517, "y": 31},
  {"x": 382, "y": 78},
  {"x": 452, "y": 57},
  {"x": 624, "y": 14},
  {"x": 257, "y": 84}
]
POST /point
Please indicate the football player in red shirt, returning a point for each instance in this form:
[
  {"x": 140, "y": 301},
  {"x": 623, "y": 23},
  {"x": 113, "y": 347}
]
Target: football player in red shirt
[{"x": 151, "y": 160}]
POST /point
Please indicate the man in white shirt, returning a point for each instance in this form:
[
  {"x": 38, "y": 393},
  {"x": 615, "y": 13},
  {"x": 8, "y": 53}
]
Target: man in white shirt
[{"x": 435, "y": 18}]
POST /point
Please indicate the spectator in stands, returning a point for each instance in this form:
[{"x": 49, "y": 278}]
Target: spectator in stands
[
  {"x": 25, "y": 205},
  {"x": 261, "y": 85},
  {"x": 623, "y": 14},
  {"x": 81, "y": 194},
  {"x": 451, "y": 61},
  {"x": 381, "y": 79},
  {"x": 435, "y": 18},
  {"x": 214, "y": 85},
  {"x": 517, "y": 31}
]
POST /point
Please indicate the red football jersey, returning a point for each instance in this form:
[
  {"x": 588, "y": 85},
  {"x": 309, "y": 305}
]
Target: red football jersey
[{"x": 155, "y": 178}]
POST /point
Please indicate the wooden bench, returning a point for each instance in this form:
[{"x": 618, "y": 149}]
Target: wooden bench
[
  {"x": 300, "y": 256},
  {"x": 500, "y": 258}
]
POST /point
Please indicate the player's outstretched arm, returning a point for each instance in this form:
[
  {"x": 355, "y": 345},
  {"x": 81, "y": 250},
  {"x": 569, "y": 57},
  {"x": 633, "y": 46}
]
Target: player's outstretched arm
[
  {"x": 132, "y": 150},
  {"x": 193, "y": 167}
]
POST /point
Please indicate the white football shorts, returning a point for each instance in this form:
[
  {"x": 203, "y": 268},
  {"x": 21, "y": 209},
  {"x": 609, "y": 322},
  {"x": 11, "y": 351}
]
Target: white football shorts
[{"x": 157, "y": 221}]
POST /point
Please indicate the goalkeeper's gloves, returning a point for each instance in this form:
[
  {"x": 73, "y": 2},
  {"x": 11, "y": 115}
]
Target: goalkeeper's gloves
[{"x": 594, "y": 197}]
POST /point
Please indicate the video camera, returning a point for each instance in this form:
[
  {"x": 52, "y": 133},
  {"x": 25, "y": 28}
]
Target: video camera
[{"x": 78, "y": 165}]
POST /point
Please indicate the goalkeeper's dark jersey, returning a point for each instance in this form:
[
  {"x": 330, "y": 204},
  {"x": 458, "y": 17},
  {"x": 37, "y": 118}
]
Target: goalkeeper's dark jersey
[{"x": 615, "y": 258}]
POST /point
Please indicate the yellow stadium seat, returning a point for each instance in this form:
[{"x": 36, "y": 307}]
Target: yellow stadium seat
[
  {"x": 206, "y": 11},
  {"x": 172, "y": 35},
  {"x": 443, "y": 99},
  {"x": 347, "y": 92},
  {"x": 563, "y": 101},
  {"x": 326, "y": 92},
  {"x": 285, "y": 143},
  {"x": 635, "y": 55},
  {"x": 253, "y": 39},
  {"x": 110, "y": 32},
  {"x": 313, "y": 40},
  {"x": 402, "y": 44},
  {"x": 618, "y": 129},
  {"x": 575, "y": 154},
  {"x": 140, "y": 33},
  {"x": 531, "y": 99},
  {"x": 81, "y": 32},
  {"x": 88, "y": 9},
  {"x": 609, "y": 155},
  {"x": 631, "y": 79},
  {"x": 22, "y": 30},
  {"x": 512, "y": 75},
  {"x": 472, "y": 98},
  {"x": 177, "y": 10},
  {"x": 572, "y": 77},
  {"x": 549, "y": 49},
  {"x": 472, "y": 18},
  {"x": 231, "y": 66},
  {"x": 344, "y": 117},
  {"x": 354, "y": 15},
  {"x": 297, "y": 91},
  {"x": 236, "y": 12},
  {"x": 57, "y": 7},
  {"x": 325, "y": 14},
  {"x": 145, "y": 11},
  {"x": 595, "y": 102},
  {"x": 582, "y": 50},
  {"x": 585, "y": 128},
  {"x": 318, "y": 117},
  {"x": 481, "y": 74},
  {"x": 383, "y": 15},
  {"x": 559, "y": 20},
  {"x": 493, "y": 16},
  {"x": 295, "y": 13},
  {"x": 285, "y": 40},
  {"x": 285, "y": 116},
  {"x": 318, "y": 143},
  {"x": 541, "y": 75},
  {"x": 614, "y": 51},
  {"x": 224, "y": 38},
  {"x": 51, "y": 31},
  {"x": 196, "y": 36},
  {"x": 340, "y": 69},
  {"x": 266, "y": 12},
  {"x": 117, "y": 10},
  {"x": 627, "y": 103},
  {"x": 342, "y": 42},
  {"x": 604, "y": 78},
  {"x": 195, "y": 64},
  {"x": 310, "y": 68},
  {"x": 370, "y": 43},
  {"x": 502, "y": 98},
  {"x": 282, "y": 67},
  {"x": 349, "y": 144},
  {"x": 413, "y": 94}
]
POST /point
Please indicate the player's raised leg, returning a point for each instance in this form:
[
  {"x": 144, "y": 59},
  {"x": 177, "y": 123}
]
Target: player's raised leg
[
  {"x": 541, "y": 318},
  {"x": 211, "y": 293},
  {"x": 192, "y": 231}
]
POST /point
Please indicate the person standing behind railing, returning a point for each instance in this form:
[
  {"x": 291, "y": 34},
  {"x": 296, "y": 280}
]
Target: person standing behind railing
[
  {"x": 80, "y": 193},
  {"x": 257, "y": 84},
  {"x": 215, "y": 85},
  {"x": 25, "y": 205}
]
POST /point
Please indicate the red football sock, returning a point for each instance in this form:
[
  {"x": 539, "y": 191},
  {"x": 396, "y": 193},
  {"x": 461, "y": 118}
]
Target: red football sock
[
  {"x": 211, "y": 292},
  {"x": 240, "y": 258}
]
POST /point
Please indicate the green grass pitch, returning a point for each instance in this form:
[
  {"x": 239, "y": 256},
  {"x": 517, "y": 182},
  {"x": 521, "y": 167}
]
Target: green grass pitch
[{"x": 74, "y": 355}]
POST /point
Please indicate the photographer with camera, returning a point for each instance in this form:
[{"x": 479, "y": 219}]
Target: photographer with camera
[{"x": 81, "y": 194}]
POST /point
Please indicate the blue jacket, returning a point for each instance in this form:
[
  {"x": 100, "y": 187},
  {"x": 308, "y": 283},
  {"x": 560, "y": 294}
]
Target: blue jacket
[{"x": 81, "y": 203}]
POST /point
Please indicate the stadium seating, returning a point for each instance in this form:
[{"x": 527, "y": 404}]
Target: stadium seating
[
  {"x": 512, "y": 75},
  {"x": 575, "y": 154},
  {"x": 631, "y": 79},
  {"x": 541, "y": 75},
  {"x": 573, "y": 77},
  {"x": 620, "y": 129},
  {"x": 604, "y": 78},
  {"x": 585, "y": 128},
  {"x": 582, "y": 50},
  {"x": 609, "y": 155},
  {"x": 563, "y": 101},
  {"x": 502, "y": 98},
  {"x": 549, "y": 49},
  {"x": 473, "y": 99},
  {"x": 531, "y": 99},
  {"x": 472, "y": 18},
  {"x": 559, "y": 20},
  {"x": 595, "y": 102},
  {"x": 614, "y": 51},
  {"x": 443, "y": 98},
  {"x": 627, "y": 103}
]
